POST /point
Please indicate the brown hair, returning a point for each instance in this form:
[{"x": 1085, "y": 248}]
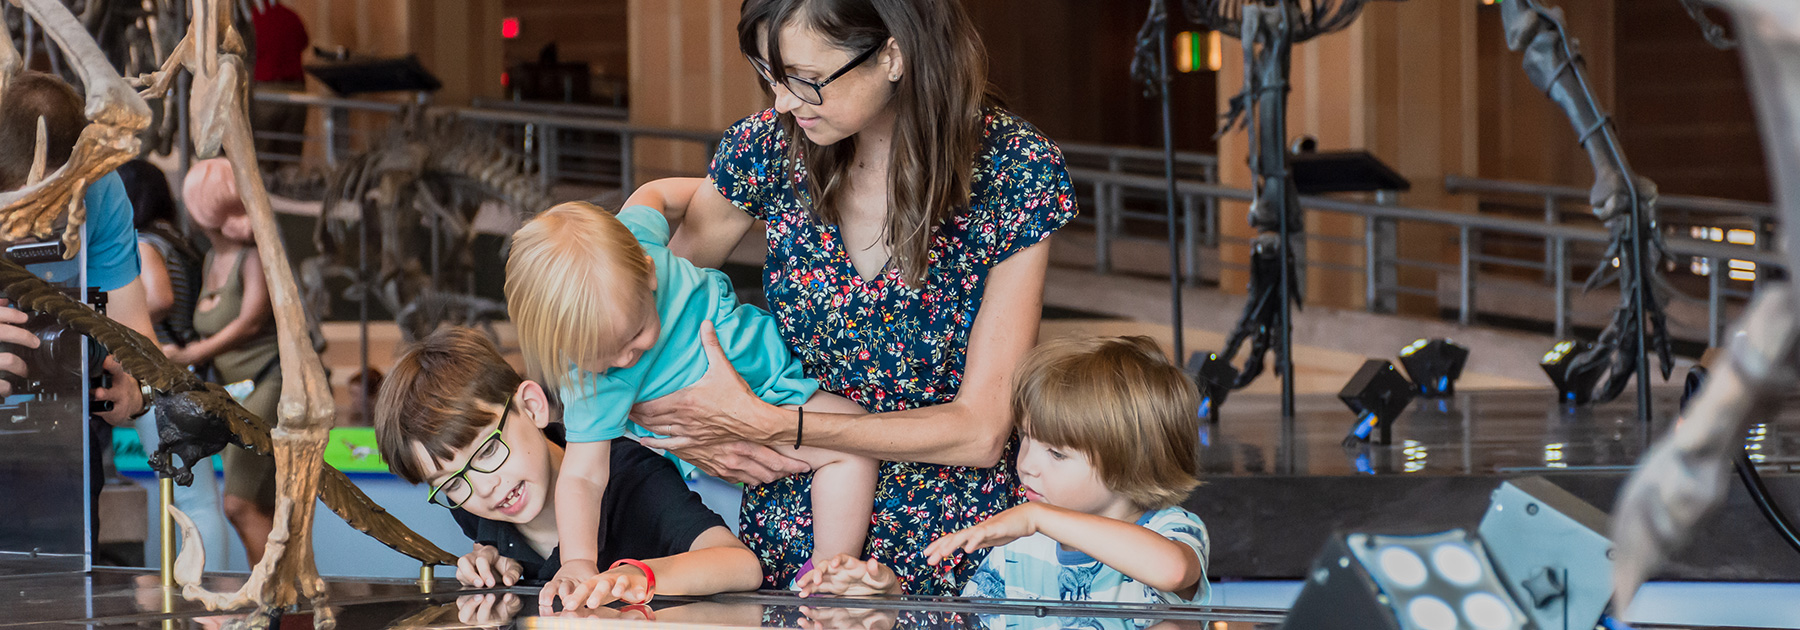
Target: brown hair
[
  {"x": 432, "y": 398},
  {"x": 938, "y": 103},
  {"x": 567, "y": 264},
  {"x": 1122, "y": 403},
  {"x": 28, "y": 96}
]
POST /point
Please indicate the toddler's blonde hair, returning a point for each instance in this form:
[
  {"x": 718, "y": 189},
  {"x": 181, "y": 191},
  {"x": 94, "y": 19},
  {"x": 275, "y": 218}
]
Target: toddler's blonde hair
[
  {"x": 573, "y": 268},
  {"x": 1121, "y": 402}
]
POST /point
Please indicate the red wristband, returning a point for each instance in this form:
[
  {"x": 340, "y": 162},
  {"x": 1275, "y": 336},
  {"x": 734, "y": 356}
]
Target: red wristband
[{"x": 649, "y": 579}]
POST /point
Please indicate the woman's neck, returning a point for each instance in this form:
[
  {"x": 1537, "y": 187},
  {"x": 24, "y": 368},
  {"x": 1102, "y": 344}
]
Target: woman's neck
[{"x": 875, "y": 143}]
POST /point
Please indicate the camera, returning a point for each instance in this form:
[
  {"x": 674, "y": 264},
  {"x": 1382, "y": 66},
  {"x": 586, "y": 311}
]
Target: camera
[{"x": 57, "y": 366}]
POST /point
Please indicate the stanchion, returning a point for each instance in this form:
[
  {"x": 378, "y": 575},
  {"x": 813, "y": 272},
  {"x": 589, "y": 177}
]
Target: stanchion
[
  {"x": 426, "y": 577},
  {"x": 165, "y": 499}
]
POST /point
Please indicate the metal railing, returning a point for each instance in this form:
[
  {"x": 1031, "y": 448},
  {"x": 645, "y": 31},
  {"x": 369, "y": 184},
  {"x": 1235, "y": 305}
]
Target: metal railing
[{"x": 1120, "y": 176}]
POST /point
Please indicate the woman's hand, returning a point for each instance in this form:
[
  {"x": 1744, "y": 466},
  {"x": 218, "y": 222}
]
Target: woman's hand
[
  {"x": 486, "y": 568},
  {"x": 737, "y": 462},
  {"x": 825, "y": 618},
  {"x": 177, "y": 354},
  {"x": 999, "y": 529},
  {"x": 844, "y": 575},
  {"x": 720, "y": 407}
]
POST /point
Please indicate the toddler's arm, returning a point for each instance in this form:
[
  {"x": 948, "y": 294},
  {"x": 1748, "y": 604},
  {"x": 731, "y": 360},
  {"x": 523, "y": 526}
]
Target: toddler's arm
[
  {"x": 670, "y": 196},
  {"x": 580, "y": 484},
  {"x": 846, "y": 575},
  {"x": 1132, "y": 549}
]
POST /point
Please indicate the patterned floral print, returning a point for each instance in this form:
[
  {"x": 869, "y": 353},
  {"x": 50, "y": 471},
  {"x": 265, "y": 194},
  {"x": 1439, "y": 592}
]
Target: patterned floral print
[{"x": 886, "y": 345}]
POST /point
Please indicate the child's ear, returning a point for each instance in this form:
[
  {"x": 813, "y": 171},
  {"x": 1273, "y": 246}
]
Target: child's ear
[
  {"x": 652, "y": 262},
  {"x": 535, "y": 402}
]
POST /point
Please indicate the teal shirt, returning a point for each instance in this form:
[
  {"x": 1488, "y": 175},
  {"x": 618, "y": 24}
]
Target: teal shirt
[
  {"x": 596, "y": 410},
  {"x": 112, "y": 255}
]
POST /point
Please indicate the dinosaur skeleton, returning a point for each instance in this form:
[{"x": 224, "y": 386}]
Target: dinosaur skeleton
[
  {"x": 430, "y": 167},
  {"x": 1685, "y": 475},
  {"x": 211, "y": 52}
]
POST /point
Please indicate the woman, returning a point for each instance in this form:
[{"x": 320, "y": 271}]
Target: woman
[
  {"x": 908, "y": 220},
  {"x": 237, "y": 328},
  {"x": 170, "y": 267}
]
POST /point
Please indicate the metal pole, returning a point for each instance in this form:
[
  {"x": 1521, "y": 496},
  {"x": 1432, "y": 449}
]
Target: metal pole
[
  {"x": 1715, "y": 302},
  {"x": 1168, "y": 137},
  {"x": 1190, "y": 240},
  {"x": 1102, "y": 231},
  {"x": 1466, "y": 267},
  {"x": 1550, "y": 218},
  {"x": 1561, "y": 272},
  {"x": 165, "y": 487},
  {"x": 427, "y": 578},
  {"x": 1370, "y": 292},
  {"x": 331, "y": 139},
  {"x": 627, "y": 169}
]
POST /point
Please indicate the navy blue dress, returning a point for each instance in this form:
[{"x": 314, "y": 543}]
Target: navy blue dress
[{"x": 886, "y": 345}]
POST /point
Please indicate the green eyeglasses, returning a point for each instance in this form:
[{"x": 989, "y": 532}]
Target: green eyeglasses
[{"x": 488, "y": 457}]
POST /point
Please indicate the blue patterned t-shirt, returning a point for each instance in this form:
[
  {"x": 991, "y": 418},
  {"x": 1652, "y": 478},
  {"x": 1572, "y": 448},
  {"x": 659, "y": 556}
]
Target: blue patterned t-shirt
[{"x": 1036, "y": 567}]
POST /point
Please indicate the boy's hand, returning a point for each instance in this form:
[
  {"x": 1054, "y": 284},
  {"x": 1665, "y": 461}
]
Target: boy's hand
[
  {"x": 571, "y": 584},
  {"x": 844, "y": 575},
  {"x": 999, "y": 529},
  {"x": 626, "y": 584},
  {"x": 487, "y": 609},
  {"x": 486, "y": 568}
]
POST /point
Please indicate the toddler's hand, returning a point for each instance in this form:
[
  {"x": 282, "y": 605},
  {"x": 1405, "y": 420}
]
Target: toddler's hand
[
  {"x": 572, "y": 585},
  {"x": 626, "y": 584},
  {"x": 844, "y": 575},
  {"x": 999, "y": 529}
]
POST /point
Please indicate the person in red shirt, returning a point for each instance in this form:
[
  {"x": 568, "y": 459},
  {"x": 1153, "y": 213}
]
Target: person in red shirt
[{"x": 281, "y": 40}]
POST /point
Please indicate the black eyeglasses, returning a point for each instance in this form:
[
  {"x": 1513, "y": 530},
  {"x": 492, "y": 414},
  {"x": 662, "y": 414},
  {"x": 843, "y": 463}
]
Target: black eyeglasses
[
  {"x": 809, "y": 91},
  {"x": 488, "y": 457}
]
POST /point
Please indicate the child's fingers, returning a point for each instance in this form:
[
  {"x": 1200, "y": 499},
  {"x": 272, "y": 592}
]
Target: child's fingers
[
  {"x": 605, "y": 592},
  {"x": 484, "y": 571}
]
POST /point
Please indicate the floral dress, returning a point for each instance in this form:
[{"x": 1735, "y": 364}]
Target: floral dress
[{"x": 886, "y": 345}]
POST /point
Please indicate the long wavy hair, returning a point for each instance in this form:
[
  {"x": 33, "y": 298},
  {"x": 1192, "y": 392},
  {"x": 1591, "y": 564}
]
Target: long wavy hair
[{"x": 938, "y": 109}]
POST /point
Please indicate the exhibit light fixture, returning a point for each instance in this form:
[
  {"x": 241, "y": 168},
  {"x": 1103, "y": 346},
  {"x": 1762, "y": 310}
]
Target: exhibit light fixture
[
  {"x": 1377, "y": 393},
  {"x": 1434, "y": 365},
  {"x": 1214, "y": 375},
  {"x": 1442, "y": 581},
  {"x": 1574, "y": 383},
  {"x": 509, "y": 28},
  {"x": 1538, "y": 562}
]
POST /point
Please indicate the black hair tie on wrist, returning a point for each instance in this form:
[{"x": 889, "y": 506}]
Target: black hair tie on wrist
[{"x": 800, "y": 429}]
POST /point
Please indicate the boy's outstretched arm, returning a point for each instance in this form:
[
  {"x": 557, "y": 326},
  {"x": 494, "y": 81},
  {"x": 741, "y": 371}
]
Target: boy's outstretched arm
[
  {"x": 580, "y": 484},
  {"x": 716, "y": 563},
  {"x": 1132, "y": 549}
]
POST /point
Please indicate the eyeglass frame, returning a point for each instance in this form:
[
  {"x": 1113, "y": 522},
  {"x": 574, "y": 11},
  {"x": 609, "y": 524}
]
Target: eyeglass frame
[
  {"x": 463, "y": 473},
  {"x": 818, "y": 87}
]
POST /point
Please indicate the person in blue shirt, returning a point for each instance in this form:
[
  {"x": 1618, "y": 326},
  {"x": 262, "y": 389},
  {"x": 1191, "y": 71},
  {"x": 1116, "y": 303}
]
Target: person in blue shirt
[
  {"x": 608, "y": 316},
  {"x": 110, "y": 240},
  {"x": 1110, "y": 450}
]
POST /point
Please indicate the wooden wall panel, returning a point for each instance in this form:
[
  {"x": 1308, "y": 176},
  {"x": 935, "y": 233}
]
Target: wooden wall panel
[
  {"x": 1398, "y": 83},
  {"x": 593, "y": 31},
  {"x": 686, "y": 72},
  {"x": 1523, "y": 135}
]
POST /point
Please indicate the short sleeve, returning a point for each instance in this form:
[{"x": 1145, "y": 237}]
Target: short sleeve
[
  {"x": 596, "y": 408},
  {"x": 645, "y": 223},
  {"x": 1184, "y": 527},
  {"x": 751, "y": 163},
  {"x": 665, "y": 515},
  {"x": 1034, "y": 196},
  {"x": 112, "y": 258}
]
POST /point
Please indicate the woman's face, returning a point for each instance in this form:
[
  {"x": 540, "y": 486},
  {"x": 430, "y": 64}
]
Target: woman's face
[
  {"x": 856, "y": 100},
  {"x": 521, "y": 487}
]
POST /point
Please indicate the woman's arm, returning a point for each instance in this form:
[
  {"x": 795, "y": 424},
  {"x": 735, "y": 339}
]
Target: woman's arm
[
  {"x": 972, "y": 430},
  {"x": 709, "y": 229},
  {"x": 254, "y": 316},
  {"x": 159, "y": 295}
]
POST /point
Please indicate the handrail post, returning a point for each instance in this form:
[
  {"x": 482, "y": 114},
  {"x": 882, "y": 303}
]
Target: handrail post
[
  {"x": 331, "y": 132},
  {"x": 1371, "y": 292},
  {"x": 1715, "y": 301},
  {"x": 627, "y": 170},
  {"x": 539, "y": 135},
  {"x": 1559, "y": 250},
  {"x": 1550, "y": 218},
  {"x": 1102, "y": 228},
  {"x": 1467, "y": 265},
  {"x": 1190, "y": 239}
]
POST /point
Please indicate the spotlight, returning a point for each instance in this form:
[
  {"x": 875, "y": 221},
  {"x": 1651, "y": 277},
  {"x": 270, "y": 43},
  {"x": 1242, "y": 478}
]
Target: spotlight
[
  {"x": 1552, "y": 551},
  {"x": 1442, "y": 581},
  {"x": 1215, "y": 376},
  {"x": 1434, "y": 365},
  {"x": 1377, "y": 394},
  {"x": 1574, "y": 384}
]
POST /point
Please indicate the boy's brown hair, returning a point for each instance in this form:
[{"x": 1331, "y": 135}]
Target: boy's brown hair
[
  {"x": 1122, "y": 403},
  {"x": 29, "y": 96},
  {"x": 433, "y": 397}
]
